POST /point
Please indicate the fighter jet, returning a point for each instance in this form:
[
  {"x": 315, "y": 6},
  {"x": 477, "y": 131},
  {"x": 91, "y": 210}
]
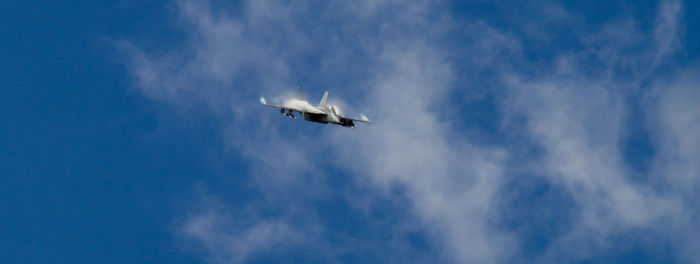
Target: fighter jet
[{"x": 322, "y": 113}]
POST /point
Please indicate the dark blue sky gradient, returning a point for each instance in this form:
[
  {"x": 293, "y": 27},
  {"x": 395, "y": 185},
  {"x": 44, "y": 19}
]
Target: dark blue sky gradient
[{"x": 90, "y": 173}]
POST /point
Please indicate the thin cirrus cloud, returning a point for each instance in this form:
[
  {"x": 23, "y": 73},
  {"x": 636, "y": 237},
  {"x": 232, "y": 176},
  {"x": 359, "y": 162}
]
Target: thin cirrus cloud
[{"x": 394, "y": 61}]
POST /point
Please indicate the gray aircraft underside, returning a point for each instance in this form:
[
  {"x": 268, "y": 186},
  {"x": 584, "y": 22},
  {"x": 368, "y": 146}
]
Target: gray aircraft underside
[{"x": 322, "y": 113}]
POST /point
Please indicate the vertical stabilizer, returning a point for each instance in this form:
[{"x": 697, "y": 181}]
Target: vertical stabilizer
[
  {"x": 301, "y": 97},
  {"x": 323, "y": 100}
]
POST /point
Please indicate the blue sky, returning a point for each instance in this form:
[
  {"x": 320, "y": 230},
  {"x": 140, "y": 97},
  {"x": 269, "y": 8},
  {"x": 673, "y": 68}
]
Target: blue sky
[{"x": 548, "y": 132}]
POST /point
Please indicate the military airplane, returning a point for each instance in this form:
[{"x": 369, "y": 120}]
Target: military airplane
[{"x": 322, "y": 113}]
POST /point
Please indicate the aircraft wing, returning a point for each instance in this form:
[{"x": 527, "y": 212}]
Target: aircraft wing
[
  {"x": 362, "y": 118},
  {"x": 264, "y": 102}
]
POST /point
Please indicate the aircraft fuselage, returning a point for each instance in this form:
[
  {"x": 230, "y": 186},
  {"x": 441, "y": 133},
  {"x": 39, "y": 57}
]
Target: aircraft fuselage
[
  {"x": 318, "y": 118},
  {"x": 322, "y": 113}
]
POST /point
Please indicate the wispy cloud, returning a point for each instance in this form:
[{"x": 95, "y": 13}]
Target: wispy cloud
[
  {"x": 675, "y": 117},
  {"x": 233, "y": 238},
  {"x": 569, "y": 112},
  {"x": 666, "y": 35}
]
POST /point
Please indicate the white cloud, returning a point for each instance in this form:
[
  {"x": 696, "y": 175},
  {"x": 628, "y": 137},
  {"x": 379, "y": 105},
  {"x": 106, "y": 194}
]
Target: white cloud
[
  {"x": 450, "y": 183},
  {"x": 389, "y": 56},
  {"x": 675, "y": 120},
  {"x": 578, "y": 116},
  {"x": 226, "y": 243},
  {"x": 226, "y": 235},
  {"x": 666, "y": 33},
  {"x": 578, "y": 123}
]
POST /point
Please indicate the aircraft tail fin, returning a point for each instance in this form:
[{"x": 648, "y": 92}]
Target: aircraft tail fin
[
  {"x": 323, "y": 100},
  {"x": 301, "y": 97}
]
